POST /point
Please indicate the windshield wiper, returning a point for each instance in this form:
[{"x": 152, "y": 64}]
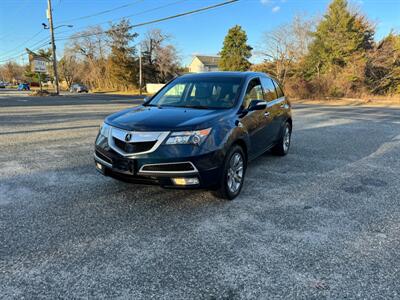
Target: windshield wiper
[{"x": 197, "y": 106}]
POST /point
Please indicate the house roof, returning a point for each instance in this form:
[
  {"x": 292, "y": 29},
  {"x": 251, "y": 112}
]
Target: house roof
[{"x": 208, "y": 60}]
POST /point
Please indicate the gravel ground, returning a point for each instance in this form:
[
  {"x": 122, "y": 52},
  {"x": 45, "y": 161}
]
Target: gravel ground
[{"x": 322, "y": 222}]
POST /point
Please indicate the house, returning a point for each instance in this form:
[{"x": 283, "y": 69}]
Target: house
[{"x": 203, "y": 63}]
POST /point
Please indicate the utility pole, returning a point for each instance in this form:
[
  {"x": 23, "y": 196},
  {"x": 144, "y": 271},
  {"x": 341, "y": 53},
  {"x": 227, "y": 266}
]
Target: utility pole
[
  {"x": 53, "y": 45},
  {"x": 140, "y": 69}
]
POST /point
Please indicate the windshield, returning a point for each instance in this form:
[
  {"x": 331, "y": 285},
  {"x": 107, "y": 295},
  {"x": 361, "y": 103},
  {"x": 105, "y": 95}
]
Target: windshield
[{"x": 202, "y": 93}]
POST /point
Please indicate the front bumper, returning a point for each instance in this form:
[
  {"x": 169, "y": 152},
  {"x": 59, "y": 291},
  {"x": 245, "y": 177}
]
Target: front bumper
[
  {"x": 201, "y": 171},
  {"x": 143, "y": 157}
]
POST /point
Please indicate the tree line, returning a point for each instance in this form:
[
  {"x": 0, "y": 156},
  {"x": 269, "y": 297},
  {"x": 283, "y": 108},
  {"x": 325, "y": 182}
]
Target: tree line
[
  {"x": 108, "y": 59},
  {"x": 335, "y": 55}
]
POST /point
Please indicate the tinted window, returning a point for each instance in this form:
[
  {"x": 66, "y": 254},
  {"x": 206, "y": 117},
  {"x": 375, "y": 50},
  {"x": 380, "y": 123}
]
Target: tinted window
[
  {"x": 253, "y": 92},
  {"x": 218, "y": 92},
  {"x": 278, "y": 90},
  {"x": 269, "y": 89}
]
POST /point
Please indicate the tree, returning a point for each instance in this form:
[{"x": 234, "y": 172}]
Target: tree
[
  {"x": 235, "y": 51},
  {"x": 160, "y": 60},
  {"x": 91, "y": 48},
  {"x": 69, "y": 69},
  {"x": 338, "y": 36},
  {"x": 11, "y": 72},
  {"x": 167, "y": 63},
  {"x": 284, "y": 47},
  {"x": 383, "y": 69},
  {"x": 123, "y": 69}
]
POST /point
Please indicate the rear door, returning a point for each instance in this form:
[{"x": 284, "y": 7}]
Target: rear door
[
  {"x": 273, "y": 109},
  {"x": 282, "y": 106}
]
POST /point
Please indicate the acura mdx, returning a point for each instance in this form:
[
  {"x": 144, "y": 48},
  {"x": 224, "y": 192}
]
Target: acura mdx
[{"x": 198, "y": 131}]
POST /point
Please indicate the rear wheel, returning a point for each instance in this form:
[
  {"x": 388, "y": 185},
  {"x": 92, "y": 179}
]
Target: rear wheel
[
  {"x": 283, "y": 145},
  {"x": 233, "y": 172}
]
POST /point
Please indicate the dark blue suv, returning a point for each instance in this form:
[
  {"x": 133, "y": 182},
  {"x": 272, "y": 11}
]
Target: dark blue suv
[{"x": 199, "y": 131}]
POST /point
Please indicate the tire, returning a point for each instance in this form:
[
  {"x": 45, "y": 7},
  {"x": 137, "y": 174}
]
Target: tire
[
  {"x": 233, "y": 172},
  {"x": 283, "y": 145}
]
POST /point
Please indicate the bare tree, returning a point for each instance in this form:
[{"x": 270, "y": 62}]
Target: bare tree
[
  {"x": 152, "y": 43},
  {"x": 167, "y": 63},
  {"x": 98, "y": 59},
  {"x": 69, "y": 68},
  {"x": 161, "y": 60},
  {"x": 285, "y": 45},
  {"x": 11, "y": 71},
  {"x": 91, "y": 48}
]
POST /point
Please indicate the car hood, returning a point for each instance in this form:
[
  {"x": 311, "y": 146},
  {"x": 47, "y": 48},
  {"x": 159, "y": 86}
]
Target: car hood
[{"x": 150, "y": 118}]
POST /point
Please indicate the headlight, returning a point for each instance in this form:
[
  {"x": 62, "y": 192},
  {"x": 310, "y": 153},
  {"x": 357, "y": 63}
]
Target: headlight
[
  {"x": 105, "y": 130},
  {"x": 188, "y": 137}
]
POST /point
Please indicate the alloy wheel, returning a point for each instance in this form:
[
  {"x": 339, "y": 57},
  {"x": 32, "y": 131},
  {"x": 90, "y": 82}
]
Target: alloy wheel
[
  {"x": 286, "y": 139},
  {"x": 235, "y": 172}
]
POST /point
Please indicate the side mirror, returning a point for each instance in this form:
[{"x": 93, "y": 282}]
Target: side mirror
[
  {"x": 146, "y": 99},
  {"x": 257, "y": 105}
]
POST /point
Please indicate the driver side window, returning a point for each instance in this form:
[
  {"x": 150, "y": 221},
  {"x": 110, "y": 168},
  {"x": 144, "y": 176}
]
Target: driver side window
[{"x": 253, "y": 92}]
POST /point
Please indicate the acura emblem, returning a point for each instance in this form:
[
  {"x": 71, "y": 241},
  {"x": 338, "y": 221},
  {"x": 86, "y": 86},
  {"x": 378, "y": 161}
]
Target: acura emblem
[{"x": 128, "y": 137}]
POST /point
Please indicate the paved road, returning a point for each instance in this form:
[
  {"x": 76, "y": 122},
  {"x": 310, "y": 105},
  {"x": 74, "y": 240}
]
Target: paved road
[{"x": 322, "y": 222}]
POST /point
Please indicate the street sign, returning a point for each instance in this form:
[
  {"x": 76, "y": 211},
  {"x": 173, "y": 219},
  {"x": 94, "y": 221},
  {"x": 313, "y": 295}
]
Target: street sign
[{"x": 38, "y": 64}]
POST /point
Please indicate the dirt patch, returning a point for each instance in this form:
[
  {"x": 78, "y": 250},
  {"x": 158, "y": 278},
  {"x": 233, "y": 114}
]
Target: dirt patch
[{"x": 42, "y": 93}]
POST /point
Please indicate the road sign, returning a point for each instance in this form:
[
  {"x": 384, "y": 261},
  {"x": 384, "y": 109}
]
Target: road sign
[{"x": 38, "y": 64}]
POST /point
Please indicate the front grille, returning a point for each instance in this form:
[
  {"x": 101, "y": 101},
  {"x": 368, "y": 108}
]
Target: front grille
[
  {"x": 134, "y": 147},
  {"x": 172, "y": 167}
]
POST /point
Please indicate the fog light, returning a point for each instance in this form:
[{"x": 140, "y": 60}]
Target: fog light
[
  {"x": 185, "y": 181},
  {"x": 99, "y": 166}
]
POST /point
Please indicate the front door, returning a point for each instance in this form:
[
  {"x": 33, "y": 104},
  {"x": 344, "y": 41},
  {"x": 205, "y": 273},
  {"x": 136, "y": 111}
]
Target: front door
[{"x": 256, "y": 122}]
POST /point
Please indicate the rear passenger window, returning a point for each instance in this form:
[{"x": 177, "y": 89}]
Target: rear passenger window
[
  {"x": 269, "y": 89},
  {"x": 279, "y": 91}
]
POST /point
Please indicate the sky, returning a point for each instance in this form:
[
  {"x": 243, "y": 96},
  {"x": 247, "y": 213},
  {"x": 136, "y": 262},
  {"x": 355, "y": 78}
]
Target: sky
[{"x": 202, "y": 33}]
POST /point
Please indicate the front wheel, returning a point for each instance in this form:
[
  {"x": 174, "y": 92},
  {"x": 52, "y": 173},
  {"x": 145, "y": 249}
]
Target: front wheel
[
  {"x": 283, "y": 145},
  {"x": 233, "y": 172}
]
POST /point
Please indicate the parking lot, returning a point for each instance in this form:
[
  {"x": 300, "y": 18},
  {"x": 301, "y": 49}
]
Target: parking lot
[{"x": 322, "y": 222}]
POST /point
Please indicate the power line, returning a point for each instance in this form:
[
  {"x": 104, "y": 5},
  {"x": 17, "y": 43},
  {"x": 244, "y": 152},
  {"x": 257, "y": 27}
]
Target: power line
[
  {"x": 101, "y": 12},
  {"x": 129, "y": 16},
  {"x": 31, "y": 46},
  {"x": 135, "y": 25},
  {"x": 156, "y": 20},
  {"x": 67, "y": 31},
  {"x": 22, "y": 44},
  {"x": 24, "y": 53}
]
